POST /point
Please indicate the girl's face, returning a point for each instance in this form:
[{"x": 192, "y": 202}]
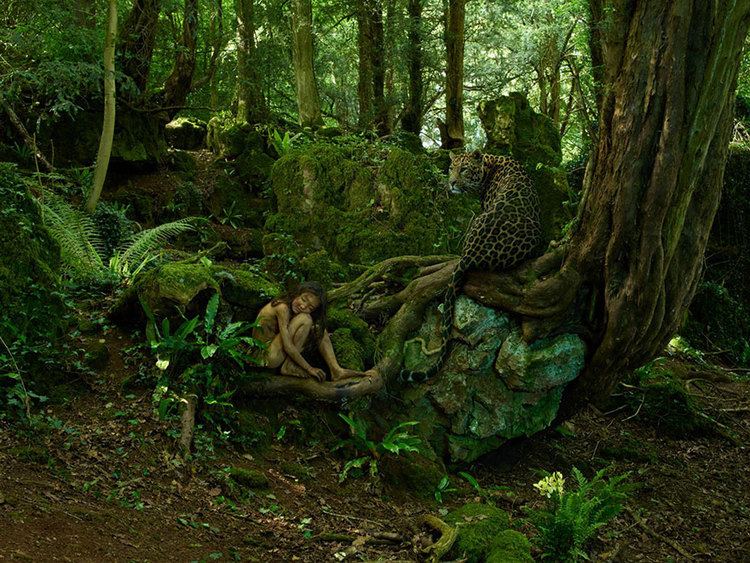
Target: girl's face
[{"x": 305, "y": 302}]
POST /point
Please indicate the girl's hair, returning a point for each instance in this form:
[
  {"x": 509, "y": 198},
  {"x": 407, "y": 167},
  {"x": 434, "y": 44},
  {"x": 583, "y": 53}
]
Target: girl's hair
[{"x": 319, "y": 315}]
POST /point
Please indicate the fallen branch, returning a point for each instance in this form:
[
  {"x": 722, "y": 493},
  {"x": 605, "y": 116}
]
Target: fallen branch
[
  {"x": 27, "y": 139},
  {"x": 671, "y": 543}
]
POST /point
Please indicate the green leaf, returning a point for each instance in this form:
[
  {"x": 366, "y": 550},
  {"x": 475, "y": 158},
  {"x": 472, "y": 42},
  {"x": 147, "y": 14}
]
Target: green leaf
[
  {"x": 211, "y": 310},
  {"x": 208, "y": 351}
]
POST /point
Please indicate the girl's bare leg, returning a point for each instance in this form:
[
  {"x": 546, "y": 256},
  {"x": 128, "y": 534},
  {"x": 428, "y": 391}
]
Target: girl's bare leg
[
  {"x": 299, "y": 330},
  {"x": 337, "y": 372}
]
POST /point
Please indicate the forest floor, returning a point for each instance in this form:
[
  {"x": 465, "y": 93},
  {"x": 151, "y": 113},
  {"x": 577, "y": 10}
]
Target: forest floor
[{"x": 100, "y": 481}]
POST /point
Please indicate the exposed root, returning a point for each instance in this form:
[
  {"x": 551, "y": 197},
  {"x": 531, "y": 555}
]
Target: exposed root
[
  {"x": 448, "y": 536},
  {"x": 187, "y": 419},
  {"x": 326, "y": 391}
]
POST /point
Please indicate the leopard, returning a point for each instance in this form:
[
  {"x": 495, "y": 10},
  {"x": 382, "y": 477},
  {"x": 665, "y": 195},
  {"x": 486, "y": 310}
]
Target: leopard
[{"x": 503, "y": 234}]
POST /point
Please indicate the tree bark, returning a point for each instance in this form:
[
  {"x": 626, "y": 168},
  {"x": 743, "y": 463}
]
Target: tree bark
[
  {"x": 179, "y": 82},
  {"x": 108, "y": 126},
  {"x": 308, "y": 99},
  {"x": 27, "y": 139},
  {"x": 412, "y": 119},
  {"x": 454, "y": 74},
  {"x": 364, "y": 68},
  {"x": 251, "y": 103},
  {"x": 670, "y": 71},
  {"x": 138, "y": 39}
]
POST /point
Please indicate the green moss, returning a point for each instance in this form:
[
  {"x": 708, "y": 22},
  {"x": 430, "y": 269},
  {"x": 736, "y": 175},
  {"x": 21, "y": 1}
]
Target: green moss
[
  {"x": 415, "y": 473},
  {"x": 349, "y": 352},
  {"x": 318, "y": 266},
  {"x": 186, "y": 133},
  {"x": 328, "y": 200},
  {"x": 250, "y": 478},
  {"x": 358, "y": 330},
  {"x": 510, "y": 546},
  {"x": 302, "y": 472},
  {"x": 228, "y": 138},
  {"x": 31, "y": 454},
  {"x": 478, "y": 525}
]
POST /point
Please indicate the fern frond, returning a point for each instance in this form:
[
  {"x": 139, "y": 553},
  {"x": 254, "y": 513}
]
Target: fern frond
[
  {"x": 141, "y": 245},
  {"x": 81, "y": 247}
]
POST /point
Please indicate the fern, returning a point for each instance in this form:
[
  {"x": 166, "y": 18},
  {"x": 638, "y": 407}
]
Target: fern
[
  {"x": 81, "y": 247},
  {"x": 141, "y": 246}
]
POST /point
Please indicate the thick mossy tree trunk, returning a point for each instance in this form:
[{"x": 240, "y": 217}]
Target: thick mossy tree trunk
[
  {"x": 308, "y": 99},
  {"x": 138, "y": 38},
  {"x": 412, "y": 118},
  {"x": 179, "y": 82},
  {"x": 108, "y": 124},
  {"x": 452, "y": 131},
  {"x": 670, "y": 71},
  {"x": 251, "y": 103},
  {"x": 371, "y": 70}
]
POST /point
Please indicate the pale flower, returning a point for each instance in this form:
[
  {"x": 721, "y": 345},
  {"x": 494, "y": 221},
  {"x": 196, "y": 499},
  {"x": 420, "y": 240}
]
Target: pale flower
[
  {"x": 162, "y": 364},
  {"x": 551, "y": 484}
]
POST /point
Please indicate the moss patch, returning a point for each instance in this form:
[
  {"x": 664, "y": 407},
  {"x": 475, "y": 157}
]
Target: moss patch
[
  {"x": 250, "y": 478},
  {"x": 510, "y": 546},
  {"x": 478, "y": 525}
]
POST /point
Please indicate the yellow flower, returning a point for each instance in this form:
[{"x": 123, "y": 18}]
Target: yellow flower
[
  {"x": 162, "y": 364},
  {"x": 551, "y": 484}
]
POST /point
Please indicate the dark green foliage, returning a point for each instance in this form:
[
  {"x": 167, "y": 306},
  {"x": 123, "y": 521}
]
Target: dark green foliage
[
  {"x": 572, "y": 517},
  {"x": 34, "y": 312},
  {"x": 113, "y": 225},
  {"x": 717, "y": 320}
]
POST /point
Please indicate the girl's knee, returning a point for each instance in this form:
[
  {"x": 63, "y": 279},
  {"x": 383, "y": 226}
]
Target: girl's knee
[{"x": 301, "y": 320}]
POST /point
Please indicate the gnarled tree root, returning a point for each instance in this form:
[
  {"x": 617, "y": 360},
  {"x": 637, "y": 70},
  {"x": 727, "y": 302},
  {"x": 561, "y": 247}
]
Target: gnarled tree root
[
  {"x": 448, "y": 536},
  {"x": 326, "y": 391}
]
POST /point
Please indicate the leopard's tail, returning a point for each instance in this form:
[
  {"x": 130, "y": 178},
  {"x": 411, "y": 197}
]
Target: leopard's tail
[{"x": 449, "y": 306}]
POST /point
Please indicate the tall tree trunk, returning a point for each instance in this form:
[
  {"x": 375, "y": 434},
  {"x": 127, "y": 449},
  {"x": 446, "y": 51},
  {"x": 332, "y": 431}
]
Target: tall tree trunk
[
  {"x": 454, "y": 75},
  {"x": 670, "y": 71},
  {"x": 138, "y": 39},
  {"x": 251, "y": 104},
  {"x": 178, "y": 83},
  {"x": 108, "y": 127},
  {"x": 364, "y": 69},
  {"x": 308, "y": 99},
  {"x": 412, "y": 119},
  {"x": 378, "y": 69}
]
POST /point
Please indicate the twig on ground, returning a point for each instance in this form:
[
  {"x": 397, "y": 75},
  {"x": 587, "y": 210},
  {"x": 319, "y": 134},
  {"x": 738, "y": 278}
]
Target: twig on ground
[{"x": 671, "y": 543}]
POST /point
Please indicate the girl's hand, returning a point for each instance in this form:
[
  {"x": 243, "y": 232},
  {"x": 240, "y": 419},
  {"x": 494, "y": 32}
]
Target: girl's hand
[{"x": 318, "y": 374}]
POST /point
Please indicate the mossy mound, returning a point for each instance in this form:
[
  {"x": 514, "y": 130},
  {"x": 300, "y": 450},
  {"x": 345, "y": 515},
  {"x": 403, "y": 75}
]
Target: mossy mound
[
  {"x": 183, "y": 288},
  {"x": 250, "y": 478},
  {"x": 478, "y": 526},
  {"x": 413, "y": 472},
  {"x": 327, "y": 199},
  {"x": 665, "y": 403},
  {"x": 355, "y": 335},
  {"x": 510, "y": 546},
  {"x": 513, "y": 128},
  {"x": 33, "y": 311},
  {"x": 187, "y": 133}
]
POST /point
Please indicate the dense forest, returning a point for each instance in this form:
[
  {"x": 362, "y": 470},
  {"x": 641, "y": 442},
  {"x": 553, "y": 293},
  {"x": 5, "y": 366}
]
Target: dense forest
[{"x": 409, "y": 280}]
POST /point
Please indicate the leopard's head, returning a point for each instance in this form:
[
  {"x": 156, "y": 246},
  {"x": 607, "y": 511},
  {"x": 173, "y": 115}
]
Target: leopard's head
[{"x": 466, "y": 173}]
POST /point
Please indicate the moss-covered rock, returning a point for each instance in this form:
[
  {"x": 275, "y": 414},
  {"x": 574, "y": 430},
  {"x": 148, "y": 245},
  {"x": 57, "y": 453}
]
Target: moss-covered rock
[
  {"x": 510, "y": 546},
  {"x": 33, "y": 311},
  {"x": 478, "y": 526},
  {"x": 413, "y": 472},
  {"x": 478, "y": 405},
  {"x": 357, "y": 331},
  {"x": 327, "y": 200},
  {"x": 183, "y": 288},
  {"x": 513, "y": 128},
  {"x": 187, "y": 133},
  {"x": 229, "y": 138}
]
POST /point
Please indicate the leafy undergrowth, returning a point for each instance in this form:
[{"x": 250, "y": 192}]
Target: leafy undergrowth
[{"x": 99, "y": 479}]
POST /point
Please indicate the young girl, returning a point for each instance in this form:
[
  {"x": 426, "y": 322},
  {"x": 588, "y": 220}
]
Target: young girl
[{"x": 286, "y": 325}]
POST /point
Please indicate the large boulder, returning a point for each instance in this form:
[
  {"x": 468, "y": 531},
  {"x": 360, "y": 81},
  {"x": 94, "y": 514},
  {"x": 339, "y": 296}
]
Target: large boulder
[
  {"x": 331, "y": 198},
  {"x": 187, "y": 133},
  {"x": 33, "y": 312},
  {"x": 514, "y": 129},
  {"x": 178, "y": 289},
  {"x": 493, "y": 386}
]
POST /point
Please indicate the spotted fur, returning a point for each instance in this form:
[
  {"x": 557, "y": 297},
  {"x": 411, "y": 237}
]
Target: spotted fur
[{"x": 506, "y": 232}]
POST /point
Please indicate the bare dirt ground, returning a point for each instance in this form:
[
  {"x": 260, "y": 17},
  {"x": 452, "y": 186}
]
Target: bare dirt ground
[{"x": 102, "y": 483}]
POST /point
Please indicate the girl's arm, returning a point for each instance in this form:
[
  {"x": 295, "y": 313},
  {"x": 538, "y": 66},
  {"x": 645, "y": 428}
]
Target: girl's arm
[{"x": 283, "y": 317}]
